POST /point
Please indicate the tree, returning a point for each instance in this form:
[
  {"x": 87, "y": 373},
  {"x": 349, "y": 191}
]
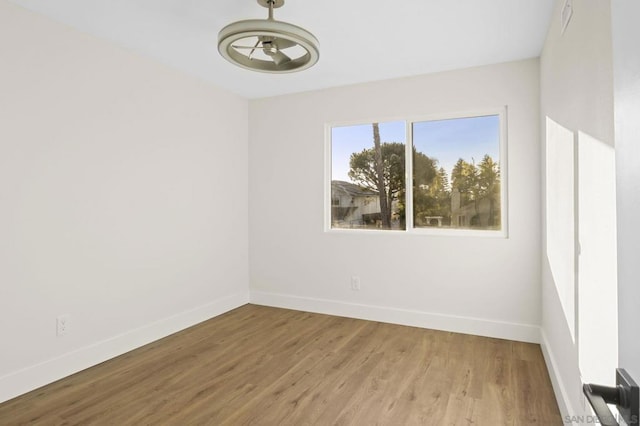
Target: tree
[
  {"x": 441, "y": 193},
  {"x": 442, "y": 180},
  {"x": 431, "y": 195},
  {"x": 464, "y": 178},
  {"x": 489, "y": 185},
  {"x": 424, "y": 169},
  {"x": 380, "y": 169},
  {"x": 385, "y": 174},
  {"x": 478, "y": 183},
  {"x": 385, "y": 199}
]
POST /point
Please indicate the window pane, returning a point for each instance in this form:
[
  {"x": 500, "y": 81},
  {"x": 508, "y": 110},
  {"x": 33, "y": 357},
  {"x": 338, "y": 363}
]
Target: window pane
[
  {"x": 367, "y": 176},
  {"x": 456, "y": 173}
]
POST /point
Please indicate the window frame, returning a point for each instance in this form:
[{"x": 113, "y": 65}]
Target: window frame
[{"x": 501, "y": 112}]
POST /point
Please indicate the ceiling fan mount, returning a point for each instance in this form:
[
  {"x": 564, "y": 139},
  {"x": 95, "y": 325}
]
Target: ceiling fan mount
[
  {"x": 268, "y": 45},
  {"x": 267, "y": 3}
]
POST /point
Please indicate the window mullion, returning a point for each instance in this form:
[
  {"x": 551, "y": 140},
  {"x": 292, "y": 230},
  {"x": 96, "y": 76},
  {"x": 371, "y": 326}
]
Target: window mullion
[{"x": 409, "y": 177}]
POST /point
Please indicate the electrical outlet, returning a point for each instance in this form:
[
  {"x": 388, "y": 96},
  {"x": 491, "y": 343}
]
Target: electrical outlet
[
  {"x": 355, "y": 283},
  {"x": 62, "y": 325}
]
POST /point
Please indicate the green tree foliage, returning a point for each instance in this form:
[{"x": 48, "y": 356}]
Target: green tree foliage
[
  {"x": 464, "y": 178},
  {"x": 382, "y": 169},
  {"x": 427, "y": 184},
  {"x": 431, "y": 195},
  {"x": 477, "y": 183},
  {"x": 489, "y": 185},
  {"x": 364, "y": 172},
  {"x": 488, "y": 177}
]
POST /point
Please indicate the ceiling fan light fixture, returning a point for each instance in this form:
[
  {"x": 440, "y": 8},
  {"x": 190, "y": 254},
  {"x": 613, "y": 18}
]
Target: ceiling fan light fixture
[{"x": 267, "y": 43}]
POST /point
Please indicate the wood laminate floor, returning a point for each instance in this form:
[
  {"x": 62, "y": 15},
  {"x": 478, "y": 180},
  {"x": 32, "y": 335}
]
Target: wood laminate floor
[{"x": 267, "y": 366}]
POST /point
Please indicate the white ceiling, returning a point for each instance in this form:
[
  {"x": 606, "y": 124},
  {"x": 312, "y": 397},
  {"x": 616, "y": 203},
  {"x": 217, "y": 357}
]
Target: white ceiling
[{"x": 360, "y": 40}]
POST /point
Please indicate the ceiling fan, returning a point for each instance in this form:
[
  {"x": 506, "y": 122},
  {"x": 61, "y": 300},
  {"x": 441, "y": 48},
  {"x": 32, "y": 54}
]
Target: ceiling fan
[{"x": 267, "y": 45}]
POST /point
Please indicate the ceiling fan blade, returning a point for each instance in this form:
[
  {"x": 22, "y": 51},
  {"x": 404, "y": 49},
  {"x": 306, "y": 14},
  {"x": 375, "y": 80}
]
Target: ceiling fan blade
[
  {"x": 280, "y": 58},
  {"x": 253, "y": 48},
  {"x": 284, "y": 43}
]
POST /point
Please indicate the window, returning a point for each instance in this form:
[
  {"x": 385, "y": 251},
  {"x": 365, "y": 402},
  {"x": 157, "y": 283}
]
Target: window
[
  {"x": 455, "y": 166},
  {"x": 368, "y": 160}
]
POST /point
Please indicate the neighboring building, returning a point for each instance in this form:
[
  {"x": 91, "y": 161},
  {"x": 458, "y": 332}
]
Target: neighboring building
[
  {"x": 353, "y": 206},
  {"x": 474, "y": 214}
]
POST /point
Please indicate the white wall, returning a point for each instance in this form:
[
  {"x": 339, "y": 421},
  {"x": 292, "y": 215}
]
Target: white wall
[
  {"x": 560, "y": 215},
  {"x": 577, "y": 93},
  {"x": 123, "y": 200},
  {"x": 487, "y": 286},
  {"x": 626, "y": 62}
]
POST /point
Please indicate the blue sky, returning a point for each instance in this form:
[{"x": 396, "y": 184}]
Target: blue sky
[
  {"x": 444, "y": 140},
  {"x": 346, "y": 140}
]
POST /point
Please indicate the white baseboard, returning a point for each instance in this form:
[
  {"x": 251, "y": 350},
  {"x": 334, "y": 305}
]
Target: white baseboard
[
  {"x": 559, "y": 388},
  {"x": 458, "y": 324},
  {"x": 33, "y": 377}
]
